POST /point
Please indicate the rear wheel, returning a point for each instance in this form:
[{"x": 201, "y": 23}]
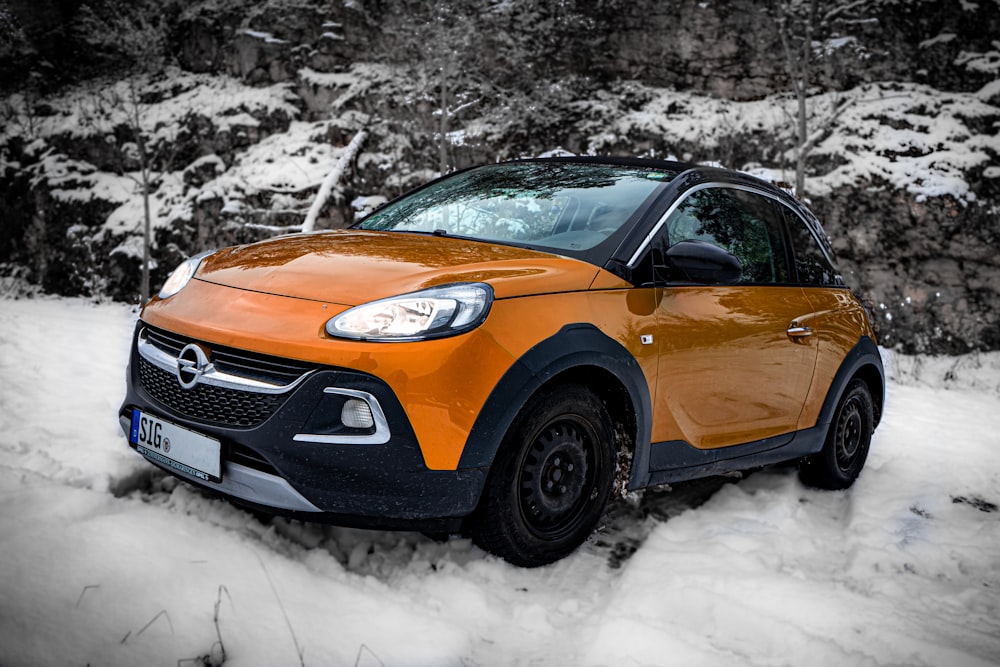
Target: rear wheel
[
  {"x": 551, "y": 478},
  {"x": 843, "y": 455}
]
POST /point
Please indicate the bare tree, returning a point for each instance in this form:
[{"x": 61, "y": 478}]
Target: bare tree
[
  {"x": 121, "y": 112},
  {"x": 810, "y": 31},
  {"x": 434, "y": 43},
  {"x": 135, "y": 109},
  {"x": 144, "y": 43}
]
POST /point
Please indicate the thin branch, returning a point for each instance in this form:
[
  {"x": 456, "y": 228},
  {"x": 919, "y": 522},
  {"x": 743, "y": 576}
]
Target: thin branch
[
  {"x": 295, "y": 640},
  {"x": 788, "y": 114},
  {"x": 364, "y": 647},
  {"x": 215, "y": 619},
  {"x": 840, "y": 10},
  {"x": 162, "y": 612},
  {"x": 824, "y": 125},
  {"x": 84, "y": 592}
]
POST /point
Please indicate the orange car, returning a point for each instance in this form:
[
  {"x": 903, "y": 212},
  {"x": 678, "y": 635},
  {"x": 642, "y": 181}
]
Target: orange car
[{"x": 506, "y": 348}]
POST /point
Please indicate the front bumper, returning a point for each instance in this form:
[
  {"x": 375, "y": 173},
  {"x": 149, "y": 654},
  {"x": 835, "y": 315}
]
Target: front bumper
[{"x": 275, "y": 458}]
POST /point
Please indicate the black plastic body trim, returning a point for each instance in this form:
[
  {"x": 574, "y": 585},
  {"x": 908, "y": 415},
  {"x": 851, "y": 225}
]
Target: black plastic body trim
[
  {"x": 575, "y": 346},
  {"x": 705, "y": 463},
  {"x": 864, "y": 354}
]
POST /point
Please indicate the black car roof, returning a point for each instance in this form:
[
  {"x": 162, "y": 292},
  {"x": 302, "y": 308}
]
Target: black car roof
[{"x": 694, "y": 174}]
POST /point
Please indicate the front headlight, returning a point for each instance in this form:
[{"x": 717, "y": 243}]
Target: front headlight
[
  {"x": 431, "y": 313},
  {"x": 182, "y": 275}
]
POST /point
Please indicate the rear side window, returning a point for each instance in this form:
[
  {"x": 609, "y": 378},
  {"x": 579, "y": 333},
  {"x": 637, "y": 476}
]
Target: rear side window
[
  {"x": 744, "y": 223},
  {"x": 811, "y": 263}
]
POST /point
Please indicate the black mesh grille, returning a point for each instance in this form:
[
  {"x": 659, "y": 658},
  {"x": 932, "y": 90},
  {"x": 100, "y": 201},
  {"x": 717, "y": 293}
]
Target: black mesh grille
[
  {"x": 207, "y": 403},
  {"x": 166, "y": 341}
]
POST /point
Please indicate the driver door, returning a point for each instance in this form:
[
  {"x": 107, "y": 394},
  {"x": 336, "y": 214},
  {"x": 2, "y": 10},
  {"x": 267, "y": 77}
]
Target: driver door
[{"x": 732, "y": 368}]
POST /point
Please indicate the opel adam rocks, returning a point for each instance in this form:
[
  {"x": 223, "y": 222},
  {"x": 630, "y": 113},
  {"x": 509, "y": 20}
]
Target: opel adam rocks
[{"x": 504, "y": 349}]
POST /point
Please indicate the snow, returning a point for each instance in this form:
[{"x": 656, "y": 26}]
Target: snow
[
  {"x": 326, "y": 79},
  {"x": 90, "y": 110},
  {"x": 265, "y": 36},
  {"x": 893, "y": 136},
  {"x": 831, "y": 46},
  {"x": 989, "y": 91},
  {"x": 132, "y": 247},
  {"x": 77, "y": 181},
  {"x": 167, "y": 204},
  {"x": 987, "y": 62},
  {"x": 906, "y": 136},
  {"x": 293, "y": 161},
  {"x": 367, "y": 202},
  {"x": 105, "y": 560},
  {"x": 942, "y": 38}
]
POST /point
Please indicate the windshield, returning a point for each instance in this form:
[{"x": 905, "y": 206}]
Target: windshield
[{"x": 558, "y": 206}]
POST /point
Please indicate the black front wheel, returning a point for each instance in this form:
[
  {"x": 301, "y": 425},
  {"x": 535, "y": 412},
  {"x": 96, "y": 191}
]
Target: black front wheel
[
  {"x": 843, "y": 455},
  {"x": 551, "y": 478}
]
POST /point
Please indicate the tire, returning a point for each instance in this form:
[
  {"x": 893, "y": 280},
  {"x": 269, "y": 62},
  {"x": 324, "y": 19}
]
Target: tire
[
  {"x": 551, "y": 479},
  {"x": 839, "y": 463}
]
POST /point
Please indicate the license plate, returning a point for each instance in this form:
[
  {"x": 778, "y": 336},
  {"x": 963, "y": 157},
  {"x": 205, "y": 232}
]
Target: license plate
[{"x": 176, "y": 446}]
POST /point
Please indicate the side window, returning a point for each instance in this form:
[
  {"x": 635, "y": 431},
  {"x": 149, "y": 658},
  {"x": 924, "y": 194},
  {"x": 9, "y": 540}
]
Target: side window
[
  {"x": 745, "y": 224},
  {"x": 811, "y": 263}
]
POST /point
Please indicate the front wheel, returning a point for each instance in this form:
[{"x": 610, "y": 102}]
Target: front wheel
[
  {"x": 843, "y": 455},
  {"x": 551, "y": 478}
]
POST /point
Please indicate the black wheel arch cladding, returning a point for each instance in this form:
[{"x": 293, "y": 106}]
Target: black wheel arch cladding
[{"x": 573, "y": 353}]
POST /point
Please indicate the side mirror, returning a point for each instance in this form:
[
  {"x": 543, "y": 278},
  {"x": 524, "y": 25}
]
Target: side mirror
[{"x": 702, "y": 262}]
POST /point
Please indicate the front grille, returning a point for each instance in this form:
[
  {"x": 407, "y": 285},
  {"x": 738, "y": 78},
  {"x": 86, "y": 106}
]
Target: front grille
[
  {"x": 274, "y": 370},
  {"x": 208, "y": 403}
]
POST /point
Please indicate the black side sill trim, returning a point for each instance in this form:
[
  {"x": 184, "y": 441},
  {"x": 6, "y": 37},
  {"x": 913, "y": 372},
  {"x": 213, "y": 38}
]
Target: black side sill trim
[{"x": 743, "y": 457}]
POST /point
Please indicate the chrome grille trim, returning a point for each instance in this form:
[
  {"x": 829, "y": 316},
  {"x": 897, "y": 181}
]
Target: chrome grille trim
[{"x": 212, "y": 375}]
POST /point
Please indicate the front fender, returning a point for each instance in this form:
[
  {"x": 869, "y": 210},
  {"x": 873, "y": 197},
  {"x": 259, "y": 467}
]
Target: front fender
[{"x": 574, "y": 347}]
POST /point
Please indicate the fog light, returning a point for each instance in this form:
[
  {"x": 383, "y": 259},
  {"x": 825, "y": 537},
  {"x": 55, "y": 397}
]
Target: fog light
[
  {"x": 346, "y": 417},
  {"x": 357, "y": 414}
]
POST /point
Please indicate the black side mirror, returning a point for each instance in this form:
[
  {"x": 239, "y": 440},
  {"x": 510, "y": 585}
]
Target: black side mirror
[{"x": 702, "y": 262}]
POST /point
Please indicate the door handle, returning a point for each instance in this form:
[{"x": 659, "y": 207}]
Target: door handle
[{"x": 798, "y": 331}]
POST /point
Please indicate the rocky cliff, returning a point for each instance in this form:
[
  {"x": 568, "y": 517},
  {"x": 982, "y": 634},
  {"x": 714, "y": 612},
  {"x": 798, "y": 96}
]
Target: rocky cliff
[{"x": 234, "y": 113}]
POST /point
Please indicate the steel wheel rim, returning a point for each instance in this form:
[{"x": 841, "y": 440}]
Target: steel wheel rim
[
  {"x": 555, "y": 478},
  {"x": 849, "y": 434}
]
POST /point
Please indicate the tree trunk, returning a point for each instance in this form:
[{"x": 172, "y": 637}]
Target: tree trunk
[
  {"x": 147, "y": 233},
  {"x": 802, "y": 90},
  {"x": 803, "y": 136},
  {"x": 332, "y": 178},
  {"x": 144, "y": 167},
  {"x": 443, "y": 125}
]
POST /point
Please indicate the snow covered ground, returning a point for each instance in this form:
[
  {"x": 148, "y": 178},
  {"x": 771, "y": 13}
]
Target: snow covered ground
[{"x": 105, "y": 561}]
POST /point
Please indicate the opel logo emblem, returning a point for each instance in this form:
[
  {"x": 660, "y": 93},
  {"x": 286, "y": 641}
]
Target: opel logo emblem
[{"x": 191, "y": 365}]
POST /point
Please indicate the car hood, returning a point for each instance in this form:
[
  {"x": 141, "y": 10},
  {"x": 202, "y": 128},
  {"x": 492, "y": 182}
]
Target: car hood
[{"x": 350, "y": 267}]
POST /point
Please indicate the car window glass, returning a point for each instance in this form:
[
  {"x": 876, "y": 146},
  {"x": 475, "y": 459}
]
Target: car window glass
[
  {"x": 743, "y": 223},
  {"x": 561, "y": 207},
  {"x": 811, "y": 263}
]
